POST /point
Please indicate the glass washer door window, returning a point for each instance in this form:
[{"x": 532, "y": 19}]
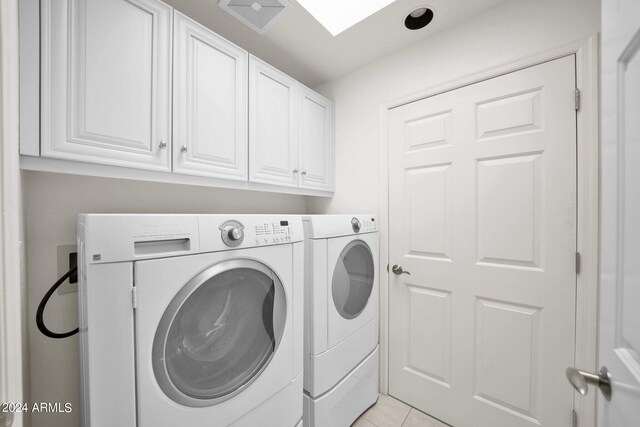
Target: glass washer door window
[
  {"x": 352, "y": 281},
  {"x": 219, "y": 333}
]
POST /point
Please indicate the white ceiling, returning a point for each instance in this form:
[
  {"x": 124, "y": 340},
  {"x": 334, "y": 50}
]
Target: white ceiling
[{"x": 301, "y": 47}]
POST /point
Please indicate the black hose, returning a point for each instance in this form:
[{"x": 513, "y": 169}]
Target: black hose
[{"x": 43, "y": 304}]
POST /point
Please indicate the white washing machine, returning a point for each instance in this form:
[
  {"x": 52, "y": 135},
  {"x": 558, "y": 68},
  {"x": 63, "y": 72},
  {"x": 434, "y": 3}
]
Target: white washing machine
[
  {"x": 191, "y": 320},
  {"x": 341, "y": 318}
]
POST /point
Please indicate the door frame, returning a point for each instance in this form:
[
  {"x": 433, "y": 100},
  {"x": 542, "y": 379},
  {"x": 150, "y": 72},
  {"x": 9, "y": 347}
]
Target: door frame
[
  {"x": 587, "y": 131},
  {"x": 11, "y": 234}
]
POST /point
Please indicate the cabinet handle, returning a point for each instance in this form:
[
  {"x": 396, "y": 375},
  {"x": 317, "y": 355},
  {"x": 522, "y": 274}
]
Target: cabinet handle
[
  {"x": 183, "y": 149},
  {"x": 304, "y": 173},
  {"x": 295, "y": 171},
  {"x": 162, "y": 145}
]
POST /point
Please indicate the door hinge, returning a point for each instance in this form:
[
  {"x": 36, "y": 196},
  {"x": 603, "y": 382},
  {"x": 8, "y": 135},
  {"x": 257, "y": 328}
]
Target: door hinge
[
  {"x": 575, "y": 419},
  {"x": 577, "y": 99},
  {"x": 134, "y": 297},
  {"x": 578, "y": 262}
]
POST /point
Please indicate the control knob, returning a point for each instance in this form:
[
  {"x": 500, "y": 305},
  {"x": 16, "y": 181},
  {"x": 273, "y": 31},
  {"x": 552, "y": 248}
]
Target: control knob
[
  {"x": 356, "y": 225},
  {"x": 236, "y": 234},
  {"x": 232, "y": 233}
]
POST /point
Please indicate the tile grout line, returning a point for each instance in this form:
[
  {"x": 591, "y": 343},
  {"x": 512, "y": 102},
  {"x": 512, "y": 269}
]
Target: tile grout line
[{"x": 407, "y": 416}]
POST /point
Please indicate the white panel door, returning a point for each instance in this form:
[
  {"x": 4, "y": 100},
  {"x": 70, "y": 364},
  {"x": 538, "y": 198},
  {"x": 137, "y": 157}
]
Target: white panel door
[
  {"x": 482, "y": 214},
  {"x": 272, "y": 125},
  {"x": 106, "y": 80},
  {"x": 315, "y": 150},
  {"x": 210, "y": 116},
  {"x": 620, "y": 213}
]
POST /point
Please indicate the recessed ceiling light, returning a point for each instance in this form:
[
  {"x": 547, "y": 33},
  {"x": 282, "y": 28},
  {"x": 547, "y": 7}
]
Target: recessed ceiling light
[
  {"x": 418, "y": 18},
  {"x": 339, "y": 15}
]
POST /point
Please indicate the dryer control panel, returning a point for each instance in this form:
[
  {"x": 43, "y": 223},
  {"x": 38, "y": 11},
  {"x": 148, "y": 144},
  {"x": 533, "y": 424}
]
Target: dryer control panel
[
  {"x": 326, "y": 226},
  {"x": 366, "y": 224}
]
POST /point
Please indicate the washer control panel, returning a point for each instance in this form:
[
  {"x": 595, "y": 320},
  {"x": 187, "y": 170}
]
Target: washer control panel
[
  {"x": 232, "y": 233},
  {"x": 272, "y": 232}
]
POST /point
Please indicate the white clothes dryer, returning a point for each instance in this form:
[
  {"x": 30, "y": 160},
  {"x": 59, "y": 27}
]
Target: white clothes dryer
[
  {"x": 341, "y": 318},
  {"x": 191, "y": 320}
]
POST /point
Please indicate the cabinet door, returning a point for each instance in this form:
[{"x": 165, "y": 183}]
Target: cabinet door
[
  {"x": 316, "y": 141},
  {"x": 106, "y": 76},
  {"x": 272, "y": 126},
  {"x": 210, "y": 103}
]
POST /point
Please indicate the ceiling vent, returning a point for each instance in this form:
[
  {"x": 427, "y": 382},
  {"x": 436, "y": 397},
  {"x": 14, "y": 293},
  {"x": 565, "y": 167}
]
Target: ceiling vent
[{"x": 260, "y": 15}]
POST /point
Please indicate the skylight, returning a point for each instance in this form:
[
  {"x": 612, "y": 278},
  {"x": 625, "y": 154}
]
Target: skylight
[{"x": 339, "y": 15}]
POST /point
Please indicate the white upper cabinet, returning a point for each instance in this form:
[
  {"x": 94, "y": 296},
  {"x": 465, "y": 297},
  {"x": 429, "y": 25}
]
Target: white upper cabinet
[
  {"x": 290, "y": 131},
  {"x": 315, "y": 149},
  {"x": 106, "y": 82},
  {"x": 210, "y": 116},
  {"x": 272, "y": 125},
  {"x": 137, "y": 84}
]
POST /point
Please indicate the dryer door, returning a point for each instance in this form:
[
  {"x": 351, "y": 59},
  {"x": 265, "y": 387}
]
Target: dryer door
[
  {"x": 219, "y": 333},
  {"x": 352, "y": 280},
  {"x": 353, "y": 289}
]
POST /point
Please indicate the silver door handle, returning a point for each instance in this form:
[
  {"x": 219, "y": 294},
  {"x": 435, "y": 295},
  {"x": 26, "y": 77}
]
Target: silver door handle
[
  {"x": 580, "y": 380},
  {"x": 397, "y": 269},
  {"x": 162, "y": 145},
  {"x": 183, "y": 149}
]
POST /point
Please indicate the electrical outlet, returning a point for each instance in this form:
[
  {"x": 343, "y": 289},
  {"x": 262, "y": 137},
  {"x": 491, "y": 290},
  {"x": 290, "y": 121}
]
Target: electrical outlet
[{"x": 65, "y": 262}]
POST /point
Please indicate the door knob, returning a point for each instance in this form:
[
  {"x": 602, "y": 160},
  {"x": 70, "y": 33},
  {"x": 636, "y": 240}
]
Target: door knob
[
  {"x": 162, "y": 145},
  {"x": 183, "y": 149},
  {"x": 580, "y": 380},
  {"x": 397, "y": 269}
]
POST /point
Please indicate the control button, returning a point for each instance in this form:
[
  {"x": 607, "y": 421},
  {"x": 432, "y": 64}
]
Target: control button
[{"x": 356, "y": 224}]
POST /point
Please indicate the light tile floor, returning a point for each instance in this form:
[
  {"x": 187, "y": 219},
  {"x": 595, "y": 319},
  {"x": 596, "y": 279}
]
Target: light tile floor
[{"x": 390, "y": 412}]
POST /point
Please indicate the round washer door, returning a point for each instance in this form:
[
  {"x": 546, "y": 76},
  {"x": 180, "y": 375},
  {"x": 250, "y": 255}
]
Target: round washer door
[
  {"x": 352, "y": 281},
  {"x": 219, "y": 332}
]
